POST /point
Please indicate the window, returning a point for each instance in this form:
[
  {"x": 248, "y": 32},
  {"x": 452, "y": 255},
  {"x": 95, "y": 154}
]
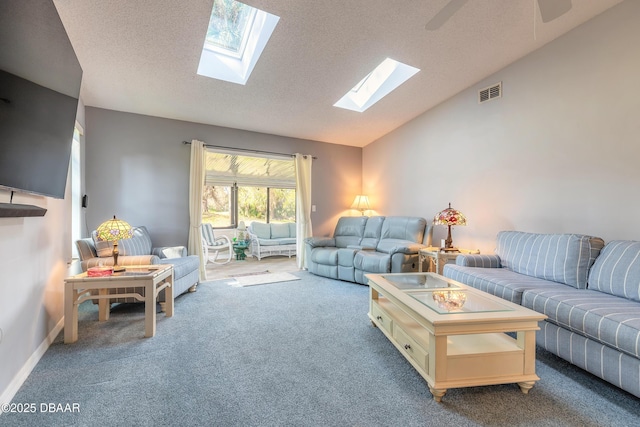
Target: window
[
  {"x": 376, "y": 85},
  {"x": 76, "y": 190},
  {"x": 236, "y": 36},
  {"x": 242, "y": 187},
  {"x": 229, "y": 27}
]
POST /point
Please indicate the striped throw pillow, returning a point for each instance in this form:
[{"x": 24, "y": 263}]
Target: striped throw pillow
[
  {"x": 562, "y": 258},
  {"x": 617, "y": 270}
]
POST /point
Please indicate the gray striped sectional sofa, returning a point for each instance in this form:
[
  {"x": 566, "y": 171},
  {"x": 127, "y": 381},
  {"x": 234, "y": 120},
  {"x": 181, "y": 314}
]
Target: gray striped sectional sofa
[
  {"x": 138, "y": 250},
  {"x": 589, "y": 291}
]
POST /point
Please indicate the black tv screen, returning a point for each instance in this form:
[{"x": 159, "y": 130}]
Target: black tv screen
[{"x": 40, "y": 80}]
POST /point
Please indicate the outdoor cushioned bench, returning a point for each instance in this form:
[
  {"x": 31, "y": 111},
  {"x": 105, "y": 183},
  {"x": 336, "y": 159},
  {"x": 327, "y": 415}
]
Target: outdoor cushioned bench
[
  {"x": 272, "y": 239},
  {"x": 590, "y": 293}
]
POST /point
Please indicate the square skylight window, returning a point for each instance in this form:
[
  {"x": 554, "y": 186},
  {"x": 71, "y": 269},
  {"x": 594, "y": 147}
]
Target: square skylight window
[
  {"x": 236, "y": 36},
  {"x": 229, "y": 27},
  {"x": 376, "y": 85}
]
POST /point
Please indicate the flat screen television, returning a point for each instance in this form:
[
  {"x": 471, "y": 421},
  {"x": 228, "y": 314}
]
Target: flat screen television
[{"x": 40, "y": 80}]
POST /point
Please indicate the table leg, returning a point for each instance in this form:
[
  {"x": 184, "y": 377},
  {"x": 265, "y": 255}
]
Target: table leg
[
  {"x": 150, "y": 309},
  {"x": 70, "y": 314},
  {"x": 438, "y": 393},
  {"x": 168, "y": 297},
  {"x": 104, "y": 305}
]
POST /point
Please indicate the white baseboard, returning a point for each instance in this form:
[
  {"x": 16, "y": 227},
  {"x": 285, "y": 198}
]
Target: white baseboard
[{"x": 22, "y": 375}]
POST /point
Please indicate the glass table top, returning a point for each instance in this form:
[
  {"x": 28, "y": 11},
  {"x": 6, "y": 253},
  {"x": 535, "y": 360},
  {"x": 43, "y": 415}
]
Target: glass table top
[
  {"x": 417, "y": 281},
  {"x": 442, "y": 295},
  {"x": 449, "y": 301}
]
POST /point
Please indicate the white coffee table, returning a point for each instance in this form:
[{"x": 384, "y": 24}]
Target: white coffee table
[
  {"x": 451, "y": 346},
  {"x": 151, "y": 278}
]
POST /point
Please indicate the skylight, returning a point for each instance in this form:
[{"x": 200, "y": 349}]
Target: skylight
[
  {"x": 229, "y": 27},
  {"x": 376, "y": 85},
  {"x": 236, "y": 36}
]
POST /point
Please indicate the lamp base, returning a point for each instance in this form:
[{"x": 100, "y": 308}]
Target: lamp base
[{"x": 118, "y": 268}]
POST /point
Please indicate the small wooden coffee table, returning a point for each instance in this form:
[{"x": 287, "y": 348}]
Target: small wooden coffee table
[
  {"x": 452, "y": 334},
  {"x": 151, "y": 278}
]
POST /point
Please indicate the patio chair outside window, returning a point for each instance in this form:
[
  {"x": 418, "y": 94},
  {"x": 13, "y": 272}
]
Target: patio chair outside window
[{"x": 211, "y": 243}]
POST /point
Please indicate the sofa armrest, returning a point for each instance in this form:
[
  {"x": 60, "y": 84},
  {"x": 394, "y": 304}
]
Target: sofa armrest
[
  {"x": 170, "y": 252},
  {"x": 476, "y": 260},
  {"x": 316, "y": 242},
  {"x": 123, "y": 260}
]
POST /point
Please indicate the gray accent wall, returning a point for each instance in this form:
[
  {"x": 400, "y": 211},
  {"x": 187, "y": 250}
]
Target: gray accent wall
[
  {"x": 138, "y": 169},
  {"x": 558, "y": 153}
]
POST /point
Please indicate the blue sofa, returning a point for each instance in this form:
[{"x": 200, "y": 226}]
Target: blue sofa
[
  {"x": 589, "y": 291},
  {"x": 362, "y": 245},
  {"x": 138, "y": 250}
]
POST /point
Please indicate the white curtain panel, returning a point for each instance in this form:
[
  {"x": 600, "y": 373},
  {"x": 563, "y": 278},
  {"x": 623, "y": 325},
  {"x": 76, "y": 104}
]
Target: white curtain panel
[
  {"x": 196, "y": 181},
  {"x": 303, "y": 203}
]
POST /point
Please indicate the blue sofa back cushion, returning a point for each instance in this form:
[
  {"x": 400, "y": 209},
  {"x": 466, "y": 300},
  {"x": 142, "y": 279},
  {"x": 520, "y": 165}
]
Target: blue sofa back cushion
[
  {"x": 562, "y": 258},
  {"x": 139, "y": 244},
  {"x": 403, "y": 228},
  {"x": 262, "y": 230},
  {"x": 617, "y": 270},
  {"x": 349, "y": 230},
  {"x": 279, "y": 231}
]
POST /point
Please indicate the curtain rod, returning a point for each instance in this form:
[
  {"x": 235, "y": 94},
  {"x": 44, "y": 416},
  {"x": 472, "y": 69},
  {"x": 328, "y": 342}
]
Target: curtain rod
[{"x": 246, "y": 150}]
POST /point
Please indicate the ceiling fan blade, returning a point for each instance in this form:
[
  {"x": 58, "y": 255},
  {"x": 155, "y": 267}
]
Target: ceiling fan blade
[
  {"x": 552, "y": 9},
  {"x": 445, "y": 13}
]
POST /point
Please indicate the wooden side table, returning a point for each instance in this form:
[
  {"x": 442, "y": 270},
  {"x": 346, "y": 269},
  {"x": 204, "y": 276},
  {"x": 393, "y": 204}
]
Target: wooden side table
[
  {"x": 438, "y": 258},
  {"x": 153, "y": 278}
]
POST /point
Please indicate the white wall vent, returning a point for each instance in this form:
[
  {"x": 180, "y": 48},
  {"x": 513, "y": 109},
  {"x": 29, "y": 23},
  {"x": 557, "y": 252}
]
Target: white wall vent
[{"x": 489, "y": 93}]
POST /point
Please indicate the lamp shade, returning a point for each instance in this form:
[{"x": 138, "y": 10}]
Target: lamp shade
[
  {"x": 361, "y": 203},
  {"x": 114, "y": 229},
  {"x": 449, "y": 216}
]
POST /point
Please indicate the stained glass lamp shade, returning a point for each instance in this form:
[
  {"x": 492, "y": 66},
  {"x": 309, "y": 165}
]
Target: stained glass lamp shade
[
  {"x": 361, "y": 203},
  {"x": 449, "y": 217},
  {"x": 113, "y": 230}
]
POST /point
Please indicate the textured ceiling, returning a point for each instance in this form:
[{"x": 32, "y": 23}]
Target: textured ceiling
[{"x": 141, "y": 56}]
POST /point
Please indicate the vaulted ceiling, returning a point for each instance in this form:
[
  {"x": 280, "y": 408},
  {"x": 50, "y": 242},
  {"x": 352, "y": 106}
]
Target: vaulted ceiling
[{"x": 141, "y": 56}]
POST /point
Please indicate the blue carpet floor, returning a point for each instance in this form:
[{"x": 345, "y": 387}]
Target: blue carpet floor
[{"x": 300, "y": 353}]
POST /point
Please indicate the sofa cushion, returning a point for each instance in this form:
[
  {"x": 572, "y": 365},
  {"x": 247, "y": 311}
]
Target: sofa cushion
[
  {"x": 372, "y": 232},
  {"x": 372, "y": 262},
  {"x": 173, "y": 252},
  {"x": 607, "y": 319},
  {"x": 279, "y": 231},
  {"x": 500, "y": 282},
  {"x": 86, "y": 248},
  {"x": 349, "y": 231},
  {"x": 262, "y": 230},
  {"x": 292, "y": 229},
  {"x": 182, "y": 266},
  {"x": 403, "y": 228},
  {"x": 562, "y": 258},
  {"x": 325, "y": 256},
  {"x": 139, "y": 244},
  {"x": 277, "y": 242},
  {"x": 617, "y": 270}
]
